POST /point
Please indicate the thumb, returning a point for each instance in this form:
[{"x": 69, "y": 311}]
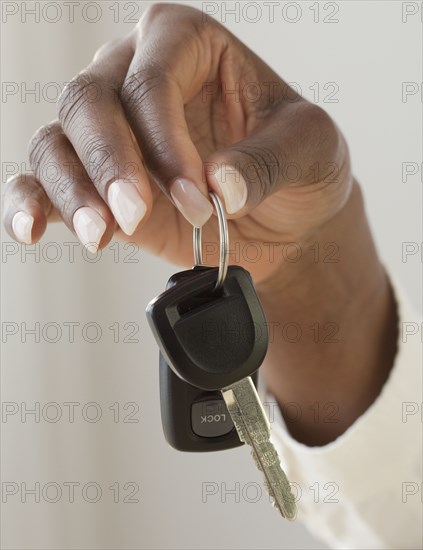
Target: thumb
[
  {"x": 247, "y": 172},
  {"x": 281, "y": 151}
]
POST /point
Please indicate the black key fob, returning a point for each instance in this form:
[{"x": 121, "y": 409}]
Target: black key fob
[{"x": 194, "y": 419}]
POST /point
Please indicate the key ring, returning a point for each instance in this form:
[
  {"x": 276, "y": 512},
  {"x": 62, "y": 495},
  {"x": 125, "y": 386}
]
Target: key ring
[{"x": 224, "y": 242}]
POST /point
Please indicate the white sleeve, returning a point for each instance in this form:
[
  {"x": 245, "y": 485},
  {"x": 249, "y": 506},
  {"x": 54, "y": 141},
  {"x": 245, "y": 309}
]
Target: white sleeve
[{"x": 364, "y": 490}]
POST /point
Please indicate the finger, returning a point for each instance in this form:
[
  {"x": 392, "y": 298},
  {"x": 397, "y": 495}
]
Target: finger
[
  {"x": 280, "y": 152},
  {"x": 26, "y": 208},
  {"x": 70, "y": 190},
  {"x": 93, "y": 120},
  {"x": 163, "y": 76}
]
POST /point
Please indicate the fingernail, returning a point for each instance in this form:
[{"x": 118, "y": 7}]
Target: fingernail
[
  {"x": 191, "y": 202},
  {"x": 22, "y": 227},
  {"x": 233, "y": 188},
  {"x": 89, "y": 227},
  {"x": 126, "y": 204}
]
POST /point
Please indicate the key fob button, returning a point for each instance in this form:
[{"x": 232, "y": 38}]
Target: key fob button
[{"x": 210, "y": 418}]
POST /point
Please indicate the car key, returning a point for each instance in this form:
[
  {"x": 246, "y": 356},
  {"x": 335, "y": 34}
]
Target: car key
[{"x": 178, "y": 317}]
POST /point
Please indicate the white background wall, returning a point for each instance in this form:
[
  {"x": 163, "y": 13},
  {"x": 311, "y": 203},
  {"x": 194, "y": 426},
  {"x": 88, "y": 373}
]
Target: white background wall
[{"x": 369, "y": 53}]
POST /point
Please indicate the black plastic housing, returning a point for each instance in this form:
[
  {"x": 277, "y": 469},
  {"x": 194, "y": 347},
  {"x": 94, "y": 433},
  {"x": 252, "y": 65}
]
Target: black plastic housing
[
  {"x": 176, "y": 400},
  {"x": 210, "y": 339}
]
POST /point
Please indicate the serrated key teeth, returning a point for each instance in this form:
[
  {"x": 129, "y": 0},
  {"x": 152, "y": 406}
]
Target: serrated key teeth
[
  {"x": 259, "y": 437},
  {"x": 256, "y": 460},
  {"x": 270, "y": 458},
  {"x": 253, "y": 428}
]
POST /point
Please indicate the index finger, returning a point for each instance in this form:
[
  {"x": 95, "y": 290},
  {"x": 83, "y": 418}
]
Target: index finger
[{"x": 167, "y": 70}]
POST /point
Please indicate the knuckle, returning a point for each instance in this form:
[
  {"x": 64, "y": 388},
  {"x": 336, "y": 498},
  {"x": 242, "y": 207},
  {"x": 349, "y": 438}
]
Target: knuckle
[
  {"x": 139, "y": 87},
  {"x": 157, "y": 14},
  {"x": 69, "y": 204},
  {"x": 159, "y": 10},
  {"x": 42, "y": 142},
  {"x": 155, "y": 11},
  {"x": 158, "y": 149},
  {"x": 99, "y": 160},
  {"x": 106, "y": 48},
  {"x": 83, "y": 89},
  {"x": 139, "y": 96}
]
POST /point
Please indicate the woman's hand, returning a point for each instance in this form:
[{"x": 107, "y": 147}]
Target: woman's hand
[
  {"x": 177, "y": 108},
  {"x": 181, "y": 107}
]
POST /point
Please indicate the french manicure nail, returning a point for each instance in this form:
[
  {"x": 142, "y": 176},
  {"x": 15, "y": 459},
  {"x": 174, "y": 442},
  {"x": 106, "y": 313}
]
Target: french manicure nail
[
  {"x": 89, "y": 227},
  {"x": 233, "y": 187},
  {"x": 191, "y": 202},
  {"x": 22, "y": 226},
  {"x": 126, "y": 204}
]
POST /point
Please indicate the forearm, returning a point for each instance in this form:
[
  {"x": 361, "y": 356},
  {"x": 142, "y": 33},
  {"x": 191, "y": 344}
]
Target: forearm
[{"x": 332, "y": 327}]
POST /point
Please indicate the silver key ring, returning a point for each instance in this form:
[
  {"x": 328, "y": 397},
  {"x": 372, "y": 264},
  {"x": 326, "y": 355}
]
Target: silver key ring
[{"x": 224, "y": 242}]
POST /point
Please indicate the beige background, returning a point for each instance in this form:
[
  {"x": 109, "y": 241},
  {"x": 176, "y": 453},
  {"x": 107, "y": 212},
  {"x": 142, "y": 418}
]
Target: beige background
[{"x": 368, "y": 54}]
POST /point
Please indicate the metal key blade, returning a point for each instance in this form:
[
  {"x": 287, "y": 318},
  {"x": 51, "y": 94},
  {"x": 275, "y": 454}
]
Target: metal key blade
[{"x": 253, "y": 428}]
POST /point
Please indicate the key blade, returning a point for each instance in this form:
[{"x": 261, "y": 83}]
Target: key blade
[
  {"x": 253, "y": 428},
  {"x": 277, "y": 486}
]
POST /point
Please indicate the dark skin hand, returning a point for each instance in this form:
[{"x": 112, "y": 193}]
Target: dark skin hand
[{"x": 147, "y": 129}]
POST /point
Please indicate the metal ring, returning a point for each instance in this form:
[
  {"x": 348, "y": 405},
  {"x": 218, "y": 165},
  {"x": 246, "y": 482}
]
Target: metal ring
[{"x": 224, "y": 242}]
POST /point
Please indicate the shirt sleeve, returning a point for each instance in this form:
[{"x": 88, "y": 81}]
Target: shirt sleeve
[{"x": 364, "y": 490}]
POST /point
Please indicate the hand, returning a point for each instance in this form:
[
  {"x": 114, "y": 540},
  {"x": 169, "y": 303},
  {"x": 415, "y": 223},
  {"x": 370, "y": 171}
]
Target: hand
[{"x": 152, "y": 124}]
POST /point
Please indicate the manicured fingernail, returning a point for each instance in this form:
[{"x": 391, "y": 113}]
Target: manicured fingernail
[
  {"x": 89, "y": 227},
  {"x": 126, "y": 204},
  {"x": 233, "y": 187},
  {"x": 191, "y": 202},
  {"x": 22, "y": 227}
]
